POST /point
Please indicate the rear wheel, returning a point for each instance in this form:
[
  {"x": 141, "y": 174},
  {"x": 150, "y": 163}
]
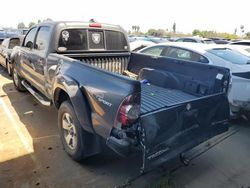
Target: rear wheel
[
  {"x": 71, "y": 132},
  {"x": 17, "y": 81}
]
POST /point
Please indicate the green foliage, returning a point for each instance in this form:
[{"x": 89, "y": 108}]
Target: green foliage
[
  {"x": 208, "y": 34},
  {"x": 31, "y": 24},
  {"x": 21, "y": 25},
  {"x": 157, "y": 32},
  {"x": 247, "y": 35}
]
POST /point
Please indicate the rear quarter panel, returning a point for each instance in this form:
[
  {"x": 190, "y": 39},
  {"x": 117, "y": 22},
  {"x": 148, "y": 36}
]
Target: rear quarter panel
[{"x": 103, "y": 90}]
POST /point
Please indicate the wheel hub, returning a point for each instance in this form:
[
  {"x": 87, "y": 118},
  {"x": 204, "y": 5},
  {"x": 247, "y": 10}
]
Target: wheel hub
[{"x": 69, "y": 131}]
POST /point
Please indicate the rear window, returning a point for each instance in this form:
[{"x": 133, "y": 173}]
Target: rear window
[
  {"x": 116, "y": 41},
  {"x": 90, "y": 39},
  {"x": 73, "y": 39},
  {"x": 232, "y": 56}
]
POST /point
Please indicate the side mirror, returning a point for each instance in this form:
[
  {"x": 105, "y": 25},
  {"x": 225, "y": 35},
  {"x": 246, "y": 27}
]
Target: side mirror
[{"x": 29, "y": 45}]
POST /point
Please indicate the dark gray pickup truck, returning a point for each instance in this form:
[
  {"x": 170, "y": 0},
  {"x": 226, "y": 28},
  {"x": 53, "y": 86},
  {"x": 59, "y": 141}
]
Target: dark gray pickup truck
[{"x": 158, "y": 106}]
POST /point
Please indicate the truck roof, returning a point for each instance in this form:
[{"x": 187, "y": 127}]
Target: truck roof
[{"x": 81, "y": 24}]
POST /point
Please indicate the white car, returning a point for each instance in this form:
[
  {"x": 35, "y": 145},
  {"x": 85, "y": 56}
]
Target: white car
[
  {"x": 243, "y": 49},
  {"x": 139, "y": 44},
  {"x": 219, "y": 55}
]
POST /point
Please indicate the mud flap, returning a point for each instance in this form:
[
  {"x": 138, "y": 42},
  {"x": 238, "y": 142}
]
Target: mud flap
[{"x": 169, "y": 132}]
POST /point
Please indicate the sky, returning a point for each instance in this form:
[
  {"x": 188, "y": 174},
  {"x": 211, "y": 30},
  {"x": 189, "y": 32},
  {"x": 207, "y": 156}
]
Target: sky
[{"x": 216, "y": 15}]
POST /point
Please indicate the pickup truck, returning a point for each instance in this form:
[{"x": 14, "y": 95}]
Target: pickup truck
[{"x": 157, "y": 106}]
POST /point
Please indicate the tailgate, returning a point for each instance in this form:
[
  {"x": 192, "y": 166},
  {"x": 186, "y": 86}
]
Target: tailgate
[{"x": 169, "y": 132}]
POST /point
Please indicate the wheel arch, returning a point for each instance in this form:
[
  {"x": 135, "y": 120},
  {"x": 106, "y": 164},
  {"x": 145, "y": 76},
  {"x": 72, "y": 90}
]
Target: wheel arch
[{"x": 79, "y": 104}]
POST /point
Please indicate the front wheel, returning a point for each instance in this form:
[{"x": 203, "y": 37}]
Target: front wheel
[
  {"x": 17, "y": 81},
  {"x": 71, "y": 132}
]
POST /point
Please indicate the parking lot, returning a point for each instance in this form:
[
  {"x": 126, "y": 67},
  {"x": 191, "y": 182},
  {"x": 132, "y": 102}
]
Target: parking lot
[{"x": 32, "y": 154}]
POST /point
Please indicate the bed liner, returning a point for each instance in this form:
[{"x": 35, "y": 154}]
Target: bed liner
[{"x": 154, "y": 98}]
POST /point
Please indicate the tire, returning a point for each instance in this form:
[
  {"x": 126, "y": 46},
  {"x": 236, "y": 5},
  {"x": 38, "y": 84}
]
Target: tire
[
  {"x": 71, "y": 132},
  {"x": 17, "y": 80},
  {"x": 9, "y": 71}
]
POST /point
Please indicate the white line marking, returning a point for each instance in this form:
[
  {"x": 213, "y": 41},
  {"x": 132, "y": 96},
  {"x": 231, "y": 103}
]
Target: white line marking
[
  {"x": 22, "y": 137},
  {"x": 45, "y": 137}
]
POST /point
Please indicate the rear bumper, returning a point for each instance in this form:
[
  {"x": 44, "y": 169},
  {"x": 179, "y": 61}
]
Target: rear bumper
[
  {"x": 239, "y": 95},
  {"x": 120, "y": 146}
]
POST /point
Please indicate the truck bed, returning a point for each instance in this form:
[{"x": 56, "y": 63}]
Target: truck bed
[{"x": 154, "y": 98}]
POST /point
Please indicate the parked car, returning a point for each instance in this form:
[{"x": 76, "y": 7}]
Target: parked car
[
  {"x": 215, "y": 55},
  {"x": 195, "y": 40},
  {"x": 241, "y": 42},
  {"x": 218, "y": 40},
  {"x": 139, "y": 44},
  {"x": 85, "y": 70},
  {"x": 5, "y": 34},
  {"x": 5, "y": 51},
  {"x": 243, "y": 49}
]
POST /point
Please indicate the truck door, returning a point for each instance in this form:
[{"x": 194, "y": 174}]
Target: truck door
[
  {"x": 26, "y": 67},
  {"x": 39, "y": 55}
]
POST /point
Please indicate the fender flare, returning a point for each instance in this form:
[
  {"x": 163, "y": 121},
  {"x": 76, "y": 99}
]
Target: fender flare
[{"x": 77, "y": 99}]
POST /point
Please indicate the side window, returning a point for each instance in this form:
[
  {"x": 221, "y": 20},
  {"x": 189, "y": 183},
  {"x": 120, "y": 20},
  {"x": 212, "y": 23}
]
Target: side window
[
  {"x": 179, "y": 40},
  {"x": 189, "y": 40},
  {"x": 199, "y": 58},
  {"x": 179, "y": 53},
  {"x": 155, "y": 51},
  {"x": 29, "y": 39},
  {"x": 42, "y": 38}
]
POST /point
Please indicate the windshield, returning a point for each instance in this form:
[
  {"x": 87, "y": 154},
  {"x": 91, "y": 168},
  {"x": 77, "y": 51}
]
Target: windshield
[{"x": 229, "y": 55}]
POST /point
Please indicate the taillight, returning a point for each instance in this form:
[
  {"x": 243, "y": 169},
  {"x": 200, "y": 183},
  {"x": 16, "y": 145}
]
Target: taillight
[
  {"x": 97, "y": 25},
  {"x": 129, "y": 110}
]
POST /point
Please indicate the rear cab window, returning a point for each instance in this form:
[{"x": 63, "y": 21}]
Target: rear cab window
[{"x": 92, "y": 39}]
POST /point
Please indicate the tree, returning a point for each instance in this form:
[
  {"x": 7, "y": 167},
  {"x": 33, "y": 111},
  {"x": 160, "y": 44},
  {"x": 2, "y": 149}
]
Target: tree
[
  {"x": 242, "y": 29},
  {"x": 235, "y": 31},
  {"x": 21, "y": 25},
  {"x": 137, "y": 28},
  {"x": 156, "y": 33},
  {"x": 248, "y": 35},
  {"x": 174, "y": 27},
  {"x": 196, "y": 32},
  {"x": 133, "y": 28},
  {"x": 48, "y": 20},
  {"x": 31, "y": 24}
]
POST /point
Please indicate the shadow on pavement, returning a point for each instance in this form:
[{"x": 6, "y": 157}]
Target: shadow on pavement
[{"x": 49, "y": 165}]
